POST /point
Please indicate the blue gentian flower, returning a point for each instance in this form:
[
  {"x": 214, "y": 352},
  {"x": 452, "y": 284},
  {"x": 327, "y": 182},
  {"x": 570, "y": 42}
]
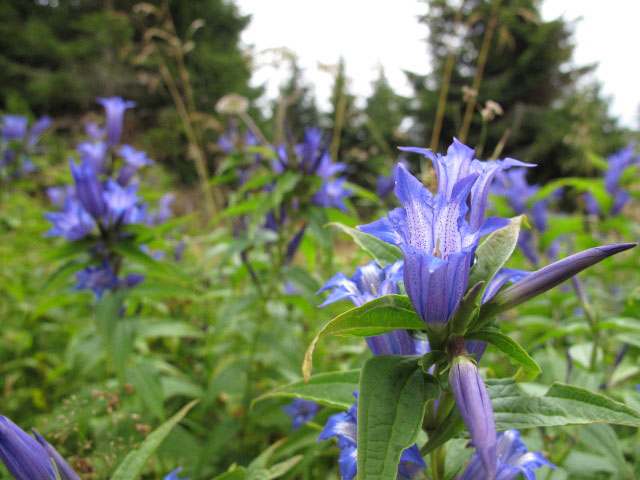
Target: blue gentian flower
[
  {"x": 367, "y": 283},
  {"x": 37, "y": 128},
  {"x": 174, "y": 475},
  {"x": 514, "y": 186},
  {"x": 618, "y": 162},
  {"x": 89, "y": 189},
  {"x": 73, "y": 222},
  {"x": 114, "y": 110},
  {"x": 312, "y": 157},
  {"x": 58, "y": 195},
  {"x": 162, "y": 213},
  {"x": 513, "y": 459},
  {"x": 119, "y": 200},
  {"x": 332, "y": 194},
  {"x": 17, "y": 143},
  {"x": 436, "y": 237},
  {"x": 135, "y": 158},
  {"x": 301, "y": 411},
  {"x": 474, "y": 405},
  {"x": 14, "y": 127},
  {"x": 344, "y": 426},
  {"x": 386, "y": 184},
  {"x": 230, "y": 141},
  {"x": 27, "y": 458},
  {"x": 97, "y": 279},
  {"x": 93, "y": 153},
  {"x": 94, "y": 131}
]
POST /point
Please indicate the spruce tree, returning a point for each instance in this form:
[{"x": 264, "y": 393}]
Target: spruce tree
[{"x": 527, "y": 72}]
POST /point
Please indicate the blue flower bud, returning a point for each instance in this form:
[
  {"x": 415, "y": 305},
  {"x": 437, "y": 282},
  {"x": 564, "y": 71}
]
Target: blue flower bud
[
  {"x": 23, "y": 456},
  {"x": 474, "y": 405},
  {"x": 114, "y": 109},
  {"x": 65, "y": 471},
  {"x": 548, "y": 277}
]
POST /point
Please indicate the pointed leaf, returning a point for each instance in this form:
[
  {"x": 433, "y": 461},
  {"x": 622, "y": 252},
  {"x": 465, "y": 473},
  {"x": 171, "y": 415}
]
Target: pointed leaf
[
  {"x": 382, "y": 315},
  {"x": 391, "y": 406},
  {"x": 133, "y": 464},
  {"x": 334, "y": 389},
  {"x": 511, "y": 348},
  {"x": 494, "y": 252},
  {"x": 561, "y": 405}
]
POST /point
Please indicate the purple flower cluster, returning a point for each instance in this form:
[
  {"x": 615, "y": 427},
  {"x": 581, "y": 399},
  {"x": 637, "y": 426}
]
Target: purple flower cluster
[
  {"x": 18, "y": 143},
  {"x": 438, "y": 234},
  {"x": 513, "y": 460},
  {"x": 103, "y": 199},
  {"x": 618, "y": 162},
  {"x": 301, "y": 411},
  {"x": 514, "y": 186},
  {"x": 312, "y": 157}
]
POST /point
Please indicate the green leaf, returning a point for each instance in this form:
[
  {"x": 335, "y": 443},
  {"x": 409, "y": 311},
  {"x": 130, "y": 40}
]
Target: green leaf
[
  {"x": 135, "y": 461},
  {"x": 334, "y": 389},
  {"x": 494, "y": 252},
  {"x": 68, "y": 249},
  {"x": 391, "y": 406},
  {"x": 147, "y": 385},
  {"x": 152, "y": 329},
  {"x": 561, "y": 405},
  {"x": 132, "y": 252},
  {"x": 108, "y": 314},
  {"x": 595, "y": 186},
  {"x": 602, "y": 439},
  {"x": 511, "y": 348},
  {"x": 382, "y": 252},
  {"x": 382, "y": 315},
  {"x": 258, "y": 470},
  {"x": 238, "y": 473},
  {"x": 122, "y": 345}
]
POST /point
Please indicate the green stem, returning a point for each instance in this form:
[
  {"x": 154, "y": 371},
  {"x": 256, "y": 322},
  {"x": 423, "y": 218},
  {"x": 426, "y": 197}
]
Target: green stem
[{"x": 437, "y": 462}]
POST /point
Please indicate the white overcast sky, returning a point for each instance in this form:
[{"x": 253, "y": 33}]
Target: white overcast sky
[{"x": 369, "y": 33}]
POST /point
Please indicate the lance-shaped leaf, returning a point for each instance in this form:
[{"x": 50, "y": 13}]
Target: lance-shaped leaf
[
  {"x": 333, "y": 389},
  {"x": 511, "y": 348},
  {"x": 548, "y": 277},
  {"x": 136, "y": 459},
  {"x": 494, "y": 252},
  {"x": 391, "y": 405},
  {"x": 382, "y": 315},
  {"x": 561, "y": 405}
]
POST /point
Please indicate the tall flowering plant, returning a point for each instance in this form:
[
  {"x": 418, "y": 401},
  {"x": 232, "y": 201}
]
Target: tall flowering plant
[
  {"x": 456, "y": 285},
  {"x": 97, "y": 211},
  {"x": 279, "y": 187}
]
